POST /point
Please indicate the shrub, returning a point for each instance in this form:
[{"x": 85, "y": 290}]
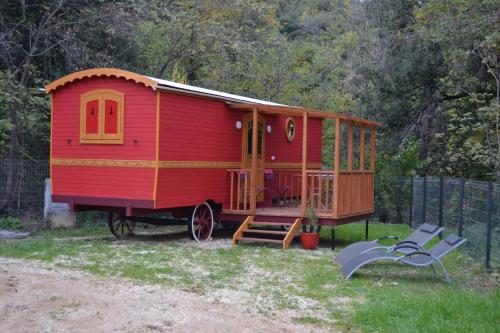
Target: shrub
[{"x": 11, "y": 223}]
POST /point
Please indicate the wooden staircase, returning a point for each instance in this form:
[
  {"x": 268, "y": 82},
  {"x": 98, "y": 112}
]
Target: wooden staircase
[{"x": 259, "y": 231}]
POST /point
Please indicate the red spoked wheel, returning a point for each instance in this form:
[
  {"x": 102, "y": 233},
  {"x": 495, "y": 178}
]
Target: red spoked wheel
[
  {"x": 202, "y": 222},
  {"x": 120, "y": 226}
]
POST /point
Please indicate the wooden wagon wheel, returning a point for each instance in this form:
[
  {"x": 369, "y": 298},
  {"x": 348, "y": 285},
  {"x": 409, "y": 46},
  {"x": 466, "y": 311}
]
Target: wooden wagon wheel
[
  {"x": 120, "y": 226},
  {"x": 202, "y": 222}
]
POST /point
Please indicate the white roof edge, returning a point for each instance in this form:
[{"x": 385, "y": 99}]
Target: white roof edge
[{"x": 208, "y": 92}]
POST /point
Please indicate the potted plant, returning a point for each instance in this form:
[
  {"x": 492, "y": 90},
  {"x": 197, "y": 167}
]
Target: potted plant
[{"x": 310, "y": 232}]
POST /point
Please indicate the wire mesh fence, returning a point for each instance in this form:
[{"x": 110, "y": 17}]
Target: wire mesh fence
[
  {"x": 468, "y": 208},
  {"x": 22, "y": 188}
]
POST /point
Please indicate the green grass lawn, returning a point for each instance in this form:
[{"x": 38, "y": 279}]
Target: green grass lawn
[{"x": 306, "y": 285}]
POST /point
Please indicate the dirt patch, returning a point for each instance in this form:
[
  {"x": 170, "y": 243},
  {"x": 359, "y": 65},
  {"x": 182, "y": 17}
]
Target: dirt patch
[{"x": 34, "y": 298}]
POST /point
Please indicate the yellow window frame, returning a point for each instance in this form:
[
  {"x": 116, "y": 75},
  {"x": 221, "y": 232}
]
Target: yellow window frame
[{"x": 101, "y": 137}]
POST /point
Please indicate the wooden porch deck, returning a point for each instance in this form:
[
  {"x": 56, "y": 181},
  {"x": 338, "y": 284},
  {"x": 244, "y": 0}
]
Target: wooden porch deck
[
  {"x": 277, "y": 193},
  {"x": 278, "y": 211}
]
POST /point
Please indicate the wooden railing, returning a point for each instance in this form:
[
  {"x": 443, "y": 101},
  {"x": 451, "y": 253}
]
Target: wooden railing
[
  {"x": 356, "y": 189},
  {"x": 281, "y": 188},
  {"x": 285, "y": 187},
  {"x": 354, "y": 195},
  {"x": 239, "y": 182},
  {"x": 320, "y": 191}
]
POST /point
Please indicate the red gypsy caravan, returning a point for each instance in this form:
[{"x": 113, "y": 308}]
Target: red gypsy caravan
[{"x": 133, "y": 145}]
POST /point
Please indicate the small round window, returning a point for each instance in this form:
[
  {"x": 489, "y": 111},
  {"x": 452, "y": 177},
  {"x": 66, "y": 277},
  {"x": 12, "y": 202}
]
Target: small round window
[{"x": 290, "y": 129}]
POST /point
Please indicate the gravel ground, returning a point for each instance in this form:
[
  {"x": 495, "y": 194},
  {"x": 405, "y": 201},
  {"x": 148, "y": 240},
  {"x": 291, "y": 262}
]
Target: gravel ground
[{"x": 38, "y": 298}]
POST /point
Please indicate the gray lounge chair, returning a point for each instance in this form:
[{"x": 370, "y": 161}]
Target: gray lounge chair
[
  {"x": 418, "y": 238},
  {"x": 416, "y": 258}
]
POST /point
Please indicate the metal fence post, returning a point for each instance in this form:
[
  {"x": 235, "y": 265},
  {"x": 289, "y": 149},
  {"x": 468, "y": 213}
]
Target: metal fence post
[
  {"x": 461, "y": 208},
  {"x": 489, "y": 209},
  {"x": 400, "y": 200},
  {"x": 424, "y": 200},
  {"x": 411, "y": 202},
  {"x": 440, "y": 216}
]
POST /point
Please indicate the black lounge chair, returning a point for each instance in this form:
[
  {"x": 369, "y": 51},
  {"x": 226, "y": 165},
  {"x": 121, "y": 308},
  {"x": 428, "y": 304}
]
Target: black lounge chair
[
  {"x": 418, "y": 238},
  {"x": 416, "y": 258}
]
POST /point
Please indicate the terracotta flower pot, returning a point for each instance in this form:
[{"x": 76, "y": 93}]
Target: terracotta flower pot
[{"x": 309, "y": 240}]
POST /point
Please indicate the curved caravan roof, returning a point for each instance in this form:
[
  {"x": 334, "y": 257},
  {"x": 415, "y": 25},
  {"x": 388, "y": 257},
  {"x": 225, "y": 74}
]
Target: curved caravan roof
[
  {"x": 236, "y": 101},
  {"x": 152, "y": 82}
]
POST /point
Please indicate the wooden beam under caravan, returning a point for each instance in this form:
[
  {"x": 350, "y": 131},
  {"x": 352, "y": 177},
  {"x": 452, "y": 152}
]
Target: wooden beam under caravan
[{"x": 362, "y": 148}]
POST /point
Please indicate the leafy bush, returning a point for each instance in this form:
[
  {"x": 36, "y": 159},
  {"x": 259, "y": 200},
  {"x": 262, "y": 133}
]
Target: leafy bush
[{"x": 11, "y": 223}]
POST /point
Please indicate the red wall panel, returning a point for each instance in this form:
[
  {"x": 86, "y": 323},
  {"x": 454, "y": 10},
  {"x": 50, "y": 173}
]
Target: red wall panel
[
  {"x": 191, "y": 129},
  {"x": 197, "y": 129},
  {"x": 139, "y": 122},
  {"x": 291, "y": 152},
  {"x": 139, "y": 125},
  {"x": 105, "y": 182},
  {"x": 185, "y": 187}
]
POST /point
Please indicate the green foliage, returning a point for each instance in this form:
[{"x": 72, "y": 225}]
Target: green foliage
[
  {"x": 472, "y": 134},
  {"x": 405, "y": 163},
  {"x": 11, "y": 223},
  {"x": 467, "y": 32},
  {"x": 428, "y": 70},
  {"x": 26, "y": 107}
]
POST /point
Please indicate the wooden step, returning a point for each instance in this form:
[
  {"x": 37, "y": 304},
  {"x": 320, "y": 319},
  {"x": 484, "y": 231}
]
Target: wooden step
[
  {"x": 261, "y": 240},
  {"x": 264, "y": 231},
  {"x": 272, "y": 223},
  {"x": 249, "y": 221}
]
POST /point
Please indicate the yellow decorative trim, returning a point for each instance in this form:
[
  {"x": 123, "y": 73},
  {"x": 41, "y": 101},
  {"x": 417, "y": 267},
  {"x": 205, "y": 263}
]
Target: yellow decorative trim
[
  {"x": 104, "y": 163},
  {"x": 198, "y": 165},
  {"x": 172, "y": 164},
  {"x": 107, "y": 72},
  {"x": 146, "y": 164},
  {"x": 157, "y": 166},
  {"x": 284, "y": 165}
]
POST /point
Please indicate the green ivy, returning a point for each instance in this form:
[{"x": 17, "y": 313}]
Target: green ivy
[{"x": 11, "y": 223}]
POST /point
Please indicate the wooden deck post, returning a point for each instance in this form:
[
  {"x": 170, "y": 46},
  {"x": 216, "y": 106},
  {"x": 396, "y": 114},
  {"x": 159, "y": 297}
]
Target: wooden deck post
[
  {"x": 362, "y": 148},
  {"x": 336, "y": 192},
  {"x": 372, "y": 164},
  {"x": 253, "y": 192},
  {"x": 349, "y": 147},
  {"x": 304, "y": 166}
]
